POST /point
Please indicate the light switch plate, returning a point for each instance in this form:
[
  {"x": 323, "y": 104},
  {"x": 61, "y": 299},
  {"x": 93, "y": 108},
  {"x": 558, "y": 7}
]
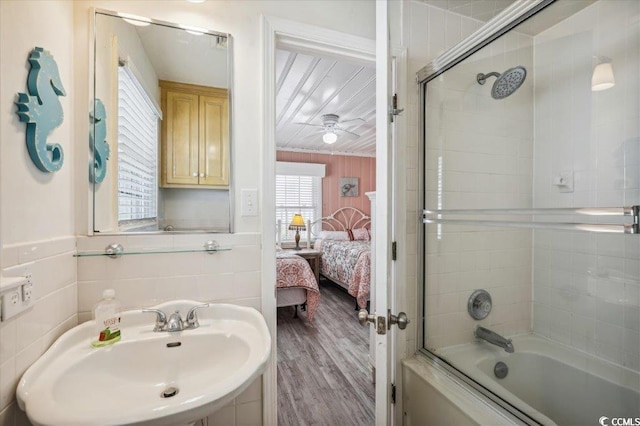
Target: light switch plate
[{"x": 249, "y": 202}]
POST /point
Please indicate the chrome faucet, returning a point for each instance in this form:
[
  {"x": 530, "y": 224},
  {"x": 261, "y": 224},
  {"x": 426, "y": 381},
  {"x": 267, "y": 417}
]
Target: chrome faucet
[
  {"x": 175, "y": 323},
  {"x": 493, "y": 338}
]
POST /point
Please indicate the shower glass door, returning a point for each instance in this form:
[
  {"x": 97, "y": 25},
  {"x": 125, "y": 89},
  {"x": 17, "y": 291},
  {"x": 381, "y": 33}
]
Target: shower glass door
[{"x": 531, "y": 193}]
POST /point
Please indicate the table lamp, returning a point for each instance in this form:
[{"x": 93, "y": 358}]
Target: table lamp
[{"x": 297, "y": 224}]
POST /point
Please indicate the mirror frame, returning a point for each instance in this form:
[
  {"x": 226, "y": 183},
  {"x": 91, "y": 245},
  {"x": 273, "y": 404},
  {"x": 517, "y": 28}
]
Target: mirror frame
[{"x": 93, "y": 31}]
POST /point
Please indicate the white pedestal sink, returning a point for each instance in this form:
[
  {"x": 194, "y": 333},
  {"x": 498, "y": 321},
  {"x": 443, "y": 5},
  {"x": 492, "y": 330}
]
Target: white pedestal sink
[{"x": 153, "y": 378}]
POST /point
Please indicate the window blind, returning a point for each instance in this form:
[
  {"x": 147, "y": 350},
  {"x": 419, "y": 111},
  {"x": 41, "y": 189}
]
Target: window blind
[
  {"x": 137, "y": 151},
  {"x": 297, "y": 194}
]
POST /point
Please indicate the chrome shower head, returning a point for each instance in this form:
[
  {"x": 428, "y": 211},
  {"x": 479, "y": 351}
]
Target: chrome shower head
[{"x": 506, "y": 83}]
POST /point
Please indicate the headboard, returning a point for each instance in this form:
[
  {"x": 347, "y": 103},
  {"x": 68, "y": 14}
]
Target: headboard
[{"x": 343, "y": 219}]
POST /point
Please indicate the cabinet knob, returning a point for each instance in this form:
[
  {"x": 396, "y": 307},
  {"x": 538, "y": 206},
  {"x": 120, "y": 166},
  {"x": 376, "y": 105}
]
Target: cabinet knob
[
  {"x": 195, "y": 174},
  {"x": 201, "y": 175}
]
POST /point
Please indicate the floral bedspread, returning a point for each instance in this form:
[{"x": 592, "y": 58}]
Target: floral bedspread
[
  {"x": 350, "y": 263},
  {"x": 294, "y": 271}
]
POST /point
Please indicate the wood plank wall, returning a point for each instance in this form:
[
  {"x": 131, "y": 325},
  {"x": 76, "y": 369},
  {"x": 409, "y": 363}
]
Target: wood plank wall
[{"x": 339, "y": 166}]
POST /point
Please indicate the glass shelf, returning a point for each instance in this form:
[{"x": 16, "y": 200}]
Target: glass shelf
[
  {"x": 155, "y": 251},
  {"x": 116, "y": 250}
]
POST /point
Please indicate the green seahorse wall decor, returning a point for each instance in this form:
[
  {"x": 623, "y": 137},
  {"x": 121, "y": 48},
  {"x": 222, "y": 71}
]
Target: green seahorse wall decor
[
  {"x": 42, "y": 111},
  {"x": 98, "y": 145}
]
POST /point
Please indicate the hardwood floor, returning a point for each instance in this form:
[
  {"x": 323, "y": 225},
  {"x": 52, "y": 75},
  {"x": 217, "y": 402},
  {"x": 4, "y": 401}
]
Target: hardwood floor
[{"x": 323, "y": 373}]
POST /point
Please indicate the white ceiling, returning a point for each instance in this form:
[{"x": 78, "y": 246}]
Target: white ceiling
[
  {"x": 485, "y": 10},
  {"x": 308, "y": 87},
  {"x": 482, "y": 10},
  {"x": 177, "y": 55}
]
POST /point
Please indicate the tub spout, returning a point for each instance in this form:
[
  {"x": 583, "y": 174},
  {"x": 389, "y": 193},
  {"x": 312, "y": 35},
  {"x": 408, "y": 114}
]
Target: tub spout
[{"x": 493, "y": 338}]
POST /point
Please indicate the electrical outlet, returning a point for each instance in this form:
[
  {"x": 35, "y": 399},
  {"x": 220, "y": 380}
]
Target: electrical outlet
[
  {"x": 17, "y": 295},
  {"x": 27, "y": 291},
  {"x": 11, "y": 303}
]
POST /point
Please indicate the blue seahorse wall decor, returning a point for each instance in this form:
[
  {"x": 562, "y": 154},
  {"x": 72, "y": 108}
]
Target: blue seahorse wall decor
[
  {"x": 100, "y": 149},
  {"x": 42, "y": 111}
]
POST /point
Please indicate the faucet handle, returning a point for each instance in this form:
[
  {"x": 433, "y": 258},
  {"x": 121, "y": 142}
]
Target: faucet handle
[
  {"x": 192, "y": 318},
  {"x": 161, "y": 319}
]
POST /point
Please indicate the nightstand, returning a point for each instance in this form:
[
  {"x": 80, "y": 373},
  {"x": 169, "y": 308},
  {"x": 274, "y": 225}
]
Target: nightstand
[{"x": 312, "y": 256}]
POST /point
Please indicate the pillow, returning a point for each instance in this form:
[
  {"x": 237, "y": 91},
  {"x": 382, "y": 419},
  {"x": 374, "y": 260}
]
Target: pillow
[
  {"x": 360, "y": 234},
  {"x": 334, "y": 235}
]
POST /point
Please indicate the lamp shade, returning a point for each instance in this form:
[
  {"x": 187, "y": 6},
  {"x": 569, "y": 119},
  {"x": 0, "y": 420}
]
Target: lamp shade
[
  {"x": 602, "y": 78},
  {"x": 297, "y": 223}
]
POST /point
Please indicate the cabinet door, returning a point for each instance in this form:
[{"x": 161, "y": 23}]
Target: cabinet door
[
  {"x": 214, "y": 141},
  {"x": 180, "y": 146}
]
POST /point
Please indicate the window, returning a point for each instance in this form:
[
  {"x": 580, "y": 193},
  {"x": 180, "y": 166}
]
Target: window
[
  {"x": 298, "y": 190},
  {"x": 137, "y": 152}
]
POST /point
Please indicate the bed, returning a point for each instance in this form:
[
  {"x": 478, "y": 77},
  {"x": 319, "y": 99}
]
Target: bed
[
  {"x": 345, "y": 246},
  {"x": 296, "y": 284}
]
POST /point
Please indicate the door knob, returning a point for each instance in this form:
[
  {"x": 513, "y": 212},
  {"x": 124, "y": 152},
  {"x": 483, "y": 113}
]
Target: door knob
[
  {"x": 401, "y": 319},
  {"x": 364, "y": 317}
]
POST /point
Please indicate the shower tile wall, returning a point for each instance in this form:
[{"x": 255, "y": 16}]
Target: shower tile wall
[
  {"x": 586, "y": 286},
  {"x": 427, "y": 31},
  {"x": 479, "y": 155}
]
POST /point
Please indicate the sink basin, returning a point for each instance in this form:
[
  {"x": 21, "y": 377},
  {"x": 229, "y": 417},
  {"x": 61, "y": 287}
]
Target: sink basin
[{"x": 154, "y": 378}]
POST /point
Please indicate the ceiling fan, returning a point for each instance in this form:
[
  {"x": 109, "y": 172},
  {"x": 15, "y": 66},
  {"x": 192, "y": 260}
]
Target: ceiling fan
[{"x": 331, "y": 124}]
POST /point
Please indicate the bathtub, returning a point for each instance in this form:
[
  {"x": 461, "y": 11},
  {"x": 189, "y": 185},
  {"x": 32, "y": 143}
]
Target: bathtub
[{"x": 552, "y": 383}]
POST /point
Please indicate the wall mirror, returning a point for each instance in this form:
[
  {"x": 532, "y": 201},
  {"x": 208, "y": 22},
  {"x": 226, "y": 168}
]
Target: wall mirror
[{"x": 162, "y": 97}]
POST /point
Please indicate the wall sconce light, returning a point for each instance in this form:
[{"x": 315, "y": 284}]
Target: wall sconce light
[
  {"x": 602, "y": 78},
  {"x": 329, "y": 136}
]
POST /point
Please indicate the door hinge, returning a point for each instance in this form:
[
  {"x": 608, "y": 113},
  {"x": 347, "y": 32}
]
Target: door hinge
[
  {"x": 394, "y": 107},
  {"x": 394, "y": 251},
  {"x": 393, "y": 393}
]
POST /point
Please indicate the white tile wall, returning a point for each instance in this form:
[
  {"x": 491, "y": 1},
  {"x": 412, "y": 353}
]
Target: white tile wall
[
  {"x": 28, "y": 335},
  {"x": 479, "y": 155},
  {"x": 148, "y": 279},
  {"x": 587, "y": 287},
  {"x": 245, "y": 410},
  {"x": 427, "y": 32}
]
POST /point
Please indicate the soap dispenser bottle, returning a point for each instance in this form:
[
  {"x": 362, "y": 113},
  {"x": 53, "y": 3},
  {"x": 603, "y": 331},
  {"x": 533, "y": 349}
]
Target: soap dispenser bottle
[{"x": 106, "y": 315}]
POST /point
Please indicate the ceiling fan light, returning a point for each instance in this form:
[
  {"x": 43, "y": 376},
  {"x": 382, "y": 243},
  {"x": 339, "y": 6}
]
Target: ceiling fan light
[{"x": 329, "y": 137}]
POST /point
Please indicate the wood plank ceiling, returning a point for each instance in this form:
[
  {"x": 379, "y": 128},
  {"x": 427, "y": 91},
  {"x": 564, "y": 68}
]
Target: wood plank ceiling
[{"x": 307, "y": 87}]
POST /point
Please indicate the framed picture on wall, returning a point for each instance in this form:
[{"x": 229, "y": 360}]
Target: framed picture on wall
[{"x": 349, "y": 187}]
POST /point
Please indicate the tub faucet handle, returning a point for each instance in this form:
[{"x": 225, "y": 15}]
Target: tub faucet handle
[
  {"x": 161, "y": 319},
  {"x": 192, "y": 318}
]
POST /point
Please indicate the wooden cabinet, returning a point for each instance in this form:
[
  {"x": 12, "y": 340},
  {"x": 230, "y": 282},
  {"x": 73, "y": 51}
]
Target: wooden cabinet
[{"x": 195, "y": 136}]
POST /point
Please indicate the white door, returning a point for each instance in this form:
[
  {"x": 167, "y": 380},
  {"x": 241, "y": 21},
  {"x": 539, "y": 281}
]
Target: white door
[{"x": 384, "y": 287}]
